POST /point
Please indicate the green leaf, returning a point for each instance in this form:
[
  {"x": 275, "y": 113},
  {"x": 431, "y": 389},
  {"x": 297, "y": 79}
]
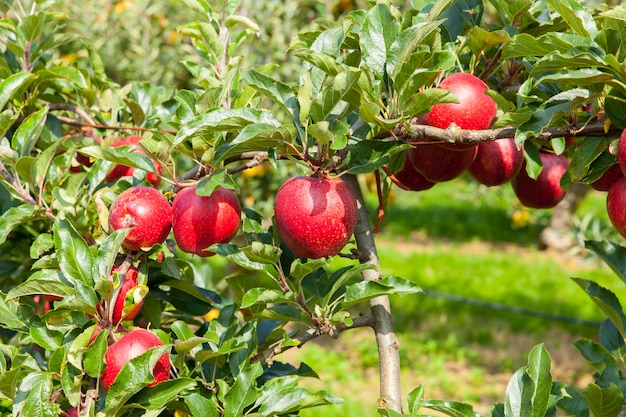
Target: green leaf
[
  {"x": 450, "y": 408},
  {"x": 16, "y": 216},
  {"x": 323, "y": 61},
  {"x": 202, "y": 405},
  {"x": 33, "y": 396},
  {"x": 605, "y": 402},
  {"x": 236, "y": 255},
  {"x": 404, "y": 46},
  {"x": 341, "y": 278},
  {"x": 106, "y": 252},
  {"x": 252, "y": 138},
  {"x": 223, "y": 120},
  {"x": 280, "y": 93},
  {"x": 606, "y": 300},
  {"x": 243, "y": 392},
  {"x": 264, "y": 296},
  {"x": 218, "y": 179},
  {"x": 291, "y": 399},
  {"x": 71, "y": 74},
  {"x": 13, "y": 315},
  {"x": 119, "y": 155},
  {"x": 157, "y": 397},
  {"x": 378, "y": 33},
  {"x": 28, "y": 133},
  {"x": 93, "y": 362},
  {"x": 74, "y": 254},
  {"x": 576, "y": 17},
  {"x": 370, "y": 155},
  {"x": 328, "y": 101},
  {"x": 10, "y": 85},
  {"x": 41, "y": 282},
  {"x": 366, "y": 290}
]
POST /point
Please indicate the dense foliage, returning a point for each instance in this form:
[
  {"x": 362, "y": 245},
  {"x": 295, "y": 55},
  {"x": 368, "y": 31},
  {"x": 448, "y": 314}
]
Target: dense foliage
[{"x": 344, "y": 100}]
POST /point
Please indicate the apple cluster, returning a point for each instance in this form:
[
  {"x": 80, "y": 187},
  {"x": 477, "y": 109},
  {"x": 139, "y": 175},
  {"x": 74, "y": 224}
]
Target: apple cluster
[{"x": 490, "y": 163}]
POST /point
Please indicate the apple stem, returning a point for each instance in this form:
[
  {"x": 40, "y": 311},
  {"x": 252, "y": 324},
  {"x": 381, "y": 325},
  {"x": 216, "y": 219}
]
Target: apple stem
[{"x": 388, "y": 344}]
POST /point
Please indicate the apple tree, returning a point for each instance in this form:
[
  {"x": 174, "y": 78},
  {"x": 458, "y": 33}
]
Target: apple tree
[{"x": 116, "y": 198}]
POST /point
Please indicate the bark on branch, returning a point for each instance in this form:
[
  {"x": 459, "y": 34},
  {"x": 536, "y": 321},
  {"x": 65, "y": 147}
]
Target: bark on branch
[
  {"x": 388, "y": 345},
  {"x": 453, "y": 134}
]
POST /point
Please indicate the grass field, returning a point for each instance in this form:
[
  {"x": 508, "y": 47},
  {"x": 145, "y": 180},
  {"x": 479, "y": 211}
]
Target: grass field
[{"x": 478, "y": 245}]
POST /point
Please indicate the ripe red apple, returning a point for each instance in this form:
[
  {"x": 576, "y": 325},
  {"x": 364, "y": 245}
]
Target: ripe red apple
[
  {"x": 315, "y": 217},
  {"x": 130, "y": 346},
  {"x": 621, "y": 151},
  {"x": 608, "y": 178},
  {"x": 545, "y": 191},
  {"x": 440, "y": 164},
  {"x": 72, "y": 412},
  {"x": 496, "y": 162},
  {"x": 146, "y": 211},
  {"x": 408, "y": 178},
  {"x": 201, "y": 221},
  {"x": 616, "y": 205},
  {"x": 130, "y": 282},
  {"x": 119, "y": 171},
  {"x": 475, "y": 109}
]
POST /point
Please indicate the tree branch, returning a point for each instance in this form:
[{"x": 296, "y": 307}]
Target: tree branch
[
  {"x": 388, "y": 345},
  {"x": 453, "y": 134}
]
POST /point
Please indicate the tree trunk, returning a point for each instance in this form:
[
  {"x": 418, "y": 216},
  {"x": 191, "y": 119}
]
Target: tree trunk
[
  {"x": 388, "y": 345},
  {"x": 558, "y": 235}
]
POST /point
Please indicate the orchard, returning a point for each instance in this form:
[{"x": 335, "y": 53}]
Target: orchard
[{"x": 115, "y": 196}]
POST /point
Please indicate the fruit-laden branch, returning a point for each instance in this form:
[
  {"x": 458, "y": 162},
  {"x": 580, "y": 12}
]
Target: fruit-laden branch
[
  {"x": 267, "y": 355},
  {"x": 388, "y": 344},
  {"x": 417, "y": 132}
]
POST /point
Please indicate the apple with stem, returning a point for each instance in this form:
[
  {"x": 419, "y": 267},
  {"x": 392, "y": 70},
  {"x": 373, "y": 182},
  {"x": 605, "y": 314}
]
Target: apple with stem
[
  {"x": 201, "y": 221},
  {"x": 315, "y": 216},
  {"x": 131, "y": 345},
  {"x": 146, "y": 212}
]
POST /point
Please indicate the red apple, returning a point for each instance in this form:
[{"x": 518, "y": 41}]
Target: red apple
[
  {"x": 130, "y": 282},
  {"x": 608, "y": 178},
  {"x": 146, "y": 211},
  {"x": 440, "y": 164},
  {"x": 621, "y": 151},
  {"x": 130, "y": 346},
  {"x": 616, "y": 205},
  {"x": 496, "y": 162},
  {"x": 315, "y": 217},
  {"x": 72, "y": 412},
  {"x": 545, "y": 191},
  {"x": 119, "y": 171},
  {"x": 201, "y": 221},
  {"x": 475, "y": 109},
  {"x": 408, "y": 178}
]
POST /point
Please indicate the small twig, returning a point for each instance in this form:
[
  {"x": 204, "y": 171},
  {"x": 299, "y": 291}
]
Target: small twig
[
  {"x": 15, "y": 185},
  {"x": 73, "y": 108},
  {"x": 72, "y": 122},
  {"x": 381, "y": 202}
]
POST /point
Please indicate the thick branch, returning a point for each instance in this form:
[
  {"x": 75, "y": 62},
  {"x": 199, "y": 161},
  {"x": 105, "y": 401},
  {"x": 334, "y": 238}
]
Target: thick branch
[
  {"x": 388, "y": 345},
  {"x": 267, "y": 355},
  {"x": 454, "y": 134}
]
